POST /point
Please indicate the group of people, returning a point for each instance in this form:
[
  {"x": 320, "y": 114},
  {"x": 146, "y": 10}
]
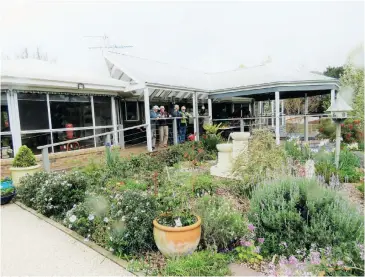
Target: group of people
[{"x": 159, "y": 119}]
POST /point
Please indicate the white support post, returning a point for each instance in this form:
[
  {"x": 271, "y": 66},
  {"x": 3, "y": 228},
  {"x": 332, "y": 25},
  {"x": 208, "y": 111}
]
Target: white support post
[
  {"x": 282, "y": 113},
  {"x": 93, "y": 117},
  {"x": 146, "y": 96},
  {"x": 306, "y": 117},
  {"x": 272, "y": 112},
  {"x": 260, "y": 113},
  {"x": 45, "y": 160},
  {"x": 277, "y": 113},
  {"x": 120, "y": 120},
  {"x": 196, "y": 116},
  {"x": 338, "y": 144},
  {"x": 50, "y": 120},
  {"x": 333, "y": 96},
  {"x": 14, "y": 120},
  {"x": 114, "y": 122},
  {"x": 210, "y": 111},
  {"x": 174, "y": 131}
]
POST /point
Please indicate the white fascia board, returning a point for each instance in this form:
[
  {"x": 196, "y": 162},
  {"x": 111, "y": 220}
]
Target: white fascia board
[
  {"x": 132, "y": 87},
  {"x": 27, "y": 82}
]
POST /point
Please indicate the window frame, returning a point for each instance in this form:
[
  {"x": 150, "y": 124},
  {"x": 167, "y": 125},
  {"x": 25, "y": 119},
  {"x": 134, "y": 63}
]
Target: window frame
[{"x": 126, "y": 112}]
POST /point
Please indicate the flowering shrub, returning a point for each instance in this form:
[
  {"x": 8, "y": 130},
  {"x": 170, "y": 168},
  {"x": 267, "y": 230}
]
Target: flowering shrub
[
  {"x": 292, "y": 214},
  {"x": 249, "y": 249},
  {"x": 53, "y": 194},
  {"x": 132, "y": 213},
  {"x": 352, "y": 130},
  {"x": 221, "y": 223}
]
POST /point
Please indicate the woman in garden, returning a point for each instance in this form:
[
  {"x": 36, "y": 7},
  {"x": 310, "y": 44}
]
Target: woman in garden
[{"x": 163, "y": 127}]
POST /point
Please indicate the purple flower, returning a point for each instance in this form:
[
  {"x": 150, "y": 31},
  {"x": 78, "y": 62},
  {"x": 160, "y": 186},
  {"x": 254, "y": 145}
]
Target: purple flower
[
  {"x": 293, "y": 260},
  {"x": 251, "y": 227},
  {"x": 315, "y": 257},
  {"x": 340, "y": 263},
  {"x": 245, "y": 243},
  {"x": 261, "y": 240}
]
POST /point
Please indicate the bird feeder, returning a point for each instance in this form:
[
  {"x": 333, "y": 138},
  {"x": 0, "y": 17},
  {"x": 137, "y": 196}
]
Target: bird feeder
[{"x": 339, "y": 110}]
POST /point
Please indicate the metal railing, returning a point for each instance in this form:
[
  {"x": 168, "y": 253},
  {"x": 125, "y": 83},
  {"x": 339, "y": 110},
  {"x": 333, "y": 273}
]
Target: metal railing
[{"x": 44, "y": 148}]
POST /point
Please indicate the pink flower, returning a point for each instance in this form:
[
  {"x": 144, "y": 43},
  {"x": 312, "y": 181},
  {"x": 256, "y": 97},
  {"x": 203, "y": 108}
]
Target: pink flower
[
  {"x": 261, "y": 240},
  {"x": 315, "y": 257},
  {"x": 293, "y": 260},
  {"x": 340, "y": 263},
  {"x": 251, "y": 227},
  {"x": 246, "y": 243}
]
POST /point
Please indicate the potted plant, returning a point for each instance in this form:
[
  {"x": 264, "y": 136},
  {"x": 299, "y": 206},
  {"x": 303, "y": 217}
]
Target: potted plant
[
  {"x": 23, "y": 164},
  {"x": 176, "y": 231},
  {"x": 8, "y": 191}
]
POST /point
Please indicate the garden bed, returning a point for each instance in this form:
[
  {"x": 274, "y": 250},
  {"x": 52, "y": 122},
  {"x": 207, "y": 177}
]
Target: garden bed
[{"x": 114, "y": 205}]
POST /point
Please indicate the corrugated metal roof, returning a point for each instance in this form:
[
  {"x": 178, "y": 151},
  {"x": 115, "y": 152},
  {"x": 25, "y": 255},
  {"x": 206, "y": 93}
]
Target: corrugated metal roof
[
  {"x": 153, "y": 72},
  {"x": 31, "y": 69}
]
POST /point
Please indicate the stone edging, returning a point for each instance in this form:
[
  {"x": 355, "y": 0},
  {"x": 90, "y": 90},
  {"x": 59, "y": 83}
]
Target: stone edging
[{"x": 79, "y": 238}]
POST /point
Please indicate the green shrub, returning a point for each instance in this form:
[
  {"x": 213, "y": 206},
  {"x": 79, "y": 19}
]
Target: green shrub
[
  {"x": 24, "y": 157},
  {"x": 360, "y": 187},
  {"x": 203, "y": 184},
  {"x": 352, "y": 130},
  {"x": 203, "y": 263},
  {"x": 132, "y": 232},
  {"x": 53, "y": 194},
  {"x": 264, "y": 158},
  {"x": 89, "y": 222},
  {"x": 348, "y": 167},
  {"x": 327, "y": 129},
  {"x": 222, "y": 224},
  {"x": 297, "y": 152},
  {"x": 292, "y": 214}
]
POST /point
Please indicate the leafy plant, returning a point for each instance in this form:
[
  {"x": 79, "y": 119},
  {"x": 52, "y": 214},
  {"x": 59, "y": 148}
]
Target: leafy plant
[
  {"x": 283, "y": 209},
  {"x": 52, "y": 194},
  {"x": 7, "y": 191},
  {"x": 222, "y": 224},
  {"x": 297, "y": 151},
  {"x": 24, "y": 157},
  {"x": 264, "y": 158},
  {"x": 348, "y": 167},
  {"x": 351, "y": 130},
  {"x": 132, "y": 231},
  {"x": 202, "y": 263},
  {"x": 248, "y": 253}
]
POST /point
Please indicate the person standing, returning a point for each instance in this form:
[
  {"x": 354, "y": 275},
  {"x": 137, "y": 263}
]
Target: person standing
[
  {"x": 183, "y": 123},
  {"x": 163, "y": 127},
  {"x": 177, "y": 113},
  {"x": 154, "y": 115}
]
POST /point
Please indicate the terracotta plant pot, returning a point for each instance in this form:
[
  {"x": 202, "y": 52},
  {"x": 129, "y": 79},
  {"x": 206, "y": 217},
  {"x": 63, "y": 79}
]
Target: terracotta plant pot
[
  {"x": 19, "y": 172},
  {"x": 177, "y": 241}
]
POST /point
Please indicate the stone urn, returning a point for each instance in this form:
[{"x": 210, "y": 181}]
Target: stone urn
[
  {"x": 224, "y": 165},
  {"x": 240, "y": 143}
]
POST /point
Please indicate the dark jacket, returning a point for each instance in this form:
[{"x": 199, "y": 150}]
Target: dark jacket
[
  {"x": 177, "y": 114},
  {"x": 162, "y": 121}
]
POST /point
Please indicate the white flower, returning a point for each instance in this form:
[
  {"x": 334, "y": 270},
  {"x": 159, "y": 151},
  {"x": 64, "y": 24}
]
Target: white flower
[
  {"x": 108, "y": 228},
  {"x": 135, "y": 218},
  {"x": 70, "y": 226},
  {"x": 72, "y": 218},
  {"x": 91, "y": 217},
  {"x": 111, "y": 238},
  {"x": 123, "y": 218},
  {"x": 111, "y": 249},
  {"x": 106, "y": 220}
]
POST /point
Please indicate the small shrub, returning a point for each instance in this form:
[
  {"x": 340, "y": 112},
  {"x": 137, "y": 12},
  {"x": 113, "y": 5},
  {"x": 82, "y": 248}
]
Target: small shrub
[
  {"x": 348, "y": 167},
  {"x": 203, "y": 184},
  {"x": 360, "y": 187},
  {"x": 264, "y": 158},
  {"x": 132, "y": 232},
  {"x": 351, "y": 130},
  {"x": 327, "y": 129},
  {"x": 297, "y": 151},
  {"x": 283, "y": 209},
  {"x": 203, "y": 263},
  {"x": 222, "y": 224},
  {"x": 53, "y": 194},
  {"x": 24, "y": 157}
]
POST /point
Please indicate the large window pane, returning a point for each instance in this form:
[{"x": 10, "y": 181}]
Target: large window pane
[
  {"x": 5, "y": 122},
  {"x": 103, "y": 111},
  {"x": 101, "y": 140},
  {"x": 131, "y": 111},
  {"x": 70, "y": 111},
  {"x": 6, "y": 147},
  {"x": 33, "y": 111},
  {"x": 35, "y": 140},
  {"x": 69, "y": 135}
]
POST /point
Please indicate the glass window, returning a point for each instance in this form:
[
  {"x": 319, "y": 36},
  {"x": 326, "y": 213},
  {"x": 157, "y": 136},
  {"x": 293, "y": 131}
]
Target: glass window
[
  {"x": 33, "y": 111},
  {"x": 68, "y": 135},
  {"x": 6, "y": 147},
  {"x": 103, "y": 111},
  {"x": 5, "y": 122},
  {"x": 70, "y": 111},
  {"x": 35, "y": 140},
  {"x": 100, "y": 141},
  {"x": 131, "y": 111}
]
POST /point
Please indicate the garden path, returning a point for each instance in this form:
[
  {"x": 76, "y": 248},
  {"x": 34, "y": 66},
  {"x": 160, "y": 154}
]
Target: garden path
[{"x": 31, "y": 246}]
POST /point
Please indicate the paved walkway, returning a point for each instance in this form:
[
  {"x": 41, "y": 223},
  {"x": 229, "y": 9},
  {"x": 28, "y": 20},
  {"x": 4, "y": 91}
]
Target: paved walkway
[{"x": 31, "y": 246}]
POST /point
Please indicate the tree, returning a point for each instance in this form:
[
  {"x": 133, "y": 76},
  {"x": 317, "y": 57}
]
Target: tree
[
  {"x": 334, "y": 72},
  {"x": 38, "y": 55}
]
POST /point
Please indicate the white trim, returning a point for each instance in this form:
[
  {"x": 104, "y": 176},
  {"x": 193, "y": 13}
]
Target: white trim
[
  {"x": 93, "y": 117},
  {"x": 14, "y": 120},
  {"x": 277, "y": 114},
  {"x": 49, "y": 119},
  {"x": 114, "y": 121},
  {"x": 147, "y": 119}
]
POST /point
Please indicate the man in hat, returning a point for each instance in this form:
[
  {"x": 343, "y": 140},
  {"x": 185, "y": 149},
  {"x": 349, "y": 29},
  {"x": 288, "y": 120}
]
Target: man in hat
[
  {"x": 154, "y": 115},
  {"x": 163, "y": 127}
]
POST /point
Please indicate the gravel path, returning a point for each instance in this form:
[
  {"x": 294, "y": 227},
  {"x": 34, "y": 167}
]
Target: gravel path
[{"x": 31, "y": 246}]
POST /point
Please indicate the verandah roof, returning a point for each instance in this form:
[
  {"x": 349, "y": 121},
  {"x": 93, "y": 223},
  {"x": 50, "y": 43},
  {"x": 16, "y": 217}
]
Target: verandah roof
[{"x": 258, "y": 82}]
